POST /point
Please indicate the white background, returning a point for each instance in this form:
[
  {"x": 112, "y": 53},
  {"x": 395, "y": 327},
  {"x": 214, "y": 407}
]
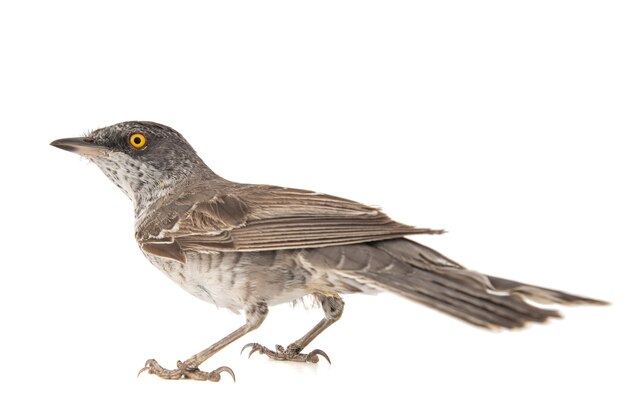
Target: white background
[{"x": 502, "y": 122}]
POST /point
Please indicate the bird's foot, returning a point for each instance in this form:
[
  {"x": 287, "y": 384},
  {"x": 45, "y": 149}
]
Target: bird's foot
[
  {"x": 185, "y": 370},
  {"x": 292, "y": 353}
]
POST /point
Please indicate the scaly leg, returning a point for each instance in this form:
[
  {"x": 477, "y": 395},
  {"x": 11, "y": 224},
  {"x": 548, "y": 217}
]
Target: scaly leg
[
  {"x": 189, "y": 368},
  {"x": 333, "y": 307}
]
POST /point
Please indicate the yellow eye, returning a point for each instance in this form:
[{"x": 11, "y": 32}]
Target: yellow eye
[{"x": 137, "y": 140}]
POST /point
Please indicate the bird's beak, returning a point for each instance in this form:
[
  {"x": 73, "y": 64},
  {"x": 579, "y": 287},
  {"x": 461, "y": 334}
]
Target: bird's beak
[{"x": 81, "y": 146}]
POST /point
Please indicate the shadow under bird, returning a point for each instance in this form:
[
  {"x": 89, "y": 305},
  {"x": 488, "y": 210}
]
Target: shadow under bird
[{"x": 246, "y": 247}]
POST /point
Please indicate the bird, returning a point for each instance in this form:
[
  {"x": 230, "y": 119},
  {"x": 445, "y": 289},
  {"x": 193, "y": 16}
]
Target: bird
[{"x": 247, "y": 247}]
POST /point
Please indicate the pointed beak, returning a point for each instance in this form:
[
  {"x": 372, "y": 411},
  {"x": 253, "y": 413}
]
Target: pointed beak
[{"x": 81, "y": 146}]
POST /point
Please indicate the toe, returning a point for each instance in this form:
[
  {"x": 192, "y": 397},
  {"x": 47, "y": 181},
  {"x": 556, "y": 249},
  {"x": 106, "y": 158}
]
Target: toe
[
  {"x": 150, "y": 366},
  {"x": 226, "y": 369},
  {"x": 314, "y": 356}
]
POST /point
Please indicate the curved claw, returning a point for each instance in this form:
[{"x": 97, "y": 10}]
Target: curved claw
[
  {"x": 214, "y": 376},
  {"x": 150, "y": 363},
  {"x": 247, "y": 345},
  {"x": 226, "y": 369},
  {"x": 314, "y": 355},
  {"x": 142, "y": 370},
  {"x": 254, "y": 347}
]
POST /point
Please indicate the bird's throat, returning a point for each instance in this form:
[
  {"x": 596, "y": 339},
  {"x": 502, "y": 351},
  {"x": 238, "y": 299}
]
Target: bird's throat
[{"x": 142, "y": 183}]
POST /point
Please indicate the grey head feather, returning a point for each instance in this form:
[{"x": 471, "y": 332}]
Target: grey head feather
[{"x": 147, "y": 174}]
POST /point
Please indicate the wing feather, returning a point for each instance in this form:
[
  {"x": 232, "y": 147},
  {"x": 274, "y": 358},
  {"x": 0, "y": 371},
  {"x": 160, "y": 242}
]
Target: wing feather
[{"x": 257, "y": 217}]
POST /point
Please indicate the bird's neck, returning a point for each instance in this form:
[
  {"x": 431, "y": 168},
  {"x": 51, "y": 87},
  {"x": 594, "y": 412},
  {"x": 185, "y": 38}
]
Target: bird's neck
[
  {"x": 149, "y": 193},
  {"x": 144, "y": 184}
]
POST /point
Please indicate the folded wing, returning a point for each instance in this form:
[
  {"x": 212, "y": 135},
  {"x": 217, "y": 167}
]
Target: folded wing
[{"x": 257, "y": 218}]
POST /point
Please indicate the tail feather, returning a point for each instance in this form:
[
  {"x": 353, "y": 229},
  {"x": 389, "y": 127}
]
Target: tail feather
[
  {"x": 540, "y": 294},
  {"x": 421, "y": 274},
  {"x": 479, "y": 308}
]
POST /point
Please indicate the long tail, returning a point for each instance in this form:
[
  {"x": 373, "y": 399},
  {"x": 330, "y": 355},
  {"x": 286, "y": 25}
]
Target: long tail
[
  {"x": 423, "y": 275},
  {"x": 540, "y": 294}
]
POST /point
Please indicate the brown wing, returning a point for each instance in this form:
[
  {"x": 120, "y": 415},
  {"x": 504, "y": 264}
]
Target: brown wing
[{"x": 256, "y": 218}]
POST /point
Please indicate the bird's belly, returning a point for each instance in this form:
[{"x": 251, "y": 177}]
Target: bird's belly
[{"x": 236, "y": 280}]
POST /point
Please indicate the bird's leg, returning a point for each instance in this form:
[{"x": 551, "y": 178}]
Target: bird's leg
[
  {"x": 333, "y": 307},
  {"x": 189, "y": 368}
]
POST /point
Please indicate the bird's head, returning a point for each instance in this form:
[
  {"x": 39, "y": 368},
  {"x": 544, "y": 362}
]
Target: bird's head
[{"x": 144, "y": 159}]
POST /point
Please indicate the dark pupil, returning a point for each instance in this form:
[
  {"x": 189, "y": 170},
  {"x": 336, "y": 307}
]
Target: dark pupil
[{"x": 137, "y": 140}]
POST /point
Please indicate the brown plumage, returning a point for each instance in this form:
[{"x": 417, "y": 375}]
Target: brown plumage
[
  {"x": 219, "y": 215},
  {"x": 243, "y": 217},
  {"x": 247, "y": 247},
  {"x": 423, "y": 275}
]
